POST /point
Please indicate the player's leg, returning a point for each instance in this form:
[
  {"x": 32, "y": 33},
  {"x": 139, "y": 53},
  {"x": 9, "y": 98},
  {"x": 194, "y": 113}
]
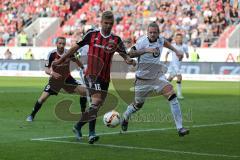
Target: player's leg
[
  {"x": 169, "y": 93},
  {"x": 90, "y": 116},
  {"x": 97, "y": 102},
  {"x": 179, "y": 86},
  {"x": 72, "y": 86},
  {"x": 98, "y": 92},
  {"x": 83, "y": 103},
  {"x": 132, "y": 108},
  {"x": 44, "y": 96},
  {"x": 141, "y": 92},
  {"x": 172, "y": 73}
]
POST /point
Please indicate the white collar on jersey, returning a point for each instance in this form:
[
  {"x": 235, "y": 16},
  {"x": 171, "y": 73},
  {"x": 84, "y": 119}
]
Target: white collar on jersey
[
  {"x": 105, "y": 36},
  {"x": 65, "y": 51}
]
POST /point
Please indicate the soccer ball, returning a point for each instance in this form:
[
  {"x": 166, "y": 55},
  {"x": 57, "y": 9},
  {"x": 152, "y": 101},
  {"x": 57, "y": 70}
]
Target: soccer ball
[{"x": 111, "y": 119}]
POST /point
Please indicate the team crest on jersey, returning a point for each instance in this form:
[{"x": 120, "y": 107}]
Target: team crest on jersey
[
  {"x": 110, "y": 47},
  {"x": 156, "y": 54}
]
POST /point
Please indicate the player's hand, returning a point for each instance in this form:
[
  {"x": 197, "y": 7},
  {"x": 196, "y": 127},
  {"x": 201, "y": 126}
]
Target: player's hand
[
  {"x": 130, "y": 61},
  {"x": 55, "y": 75}
]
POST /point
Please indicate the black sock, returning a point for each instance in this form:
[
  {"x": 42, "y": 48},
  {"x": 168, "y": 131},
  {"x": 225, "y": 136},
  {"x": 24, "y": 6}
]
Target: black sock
[
  {"x": 83, "y": 103},
  {"x": 36, "y": 108},
  {"x": 79, "y": 125},
  {"x": 90, "y": 116},
  {"x": 92, "y": 125},
  {"x": 179, "y": 82}
]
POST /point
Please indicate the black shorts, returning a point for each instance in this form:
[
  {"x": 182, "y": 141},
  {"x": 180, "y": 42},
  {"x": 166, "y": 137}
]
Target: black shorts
[
  {"x": 95, "y": 85},
  {"x": 54, "y": 86}
]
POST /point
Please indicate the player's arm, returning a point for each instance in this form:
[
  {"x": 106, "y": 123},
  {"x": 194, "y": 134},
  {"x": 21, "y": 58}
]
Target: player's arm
[
  {"x": 186, "y": 52},
  {"x": 136, "y": 53},
  {"x": 122, "y": 52},
  {"x": 69, "y": 53},
  {"x": 166, "y": 56},
  {"x": 78, "y": 62},
  {"x": 169, "y": 46},
  {"x": 49, "y": 70}
]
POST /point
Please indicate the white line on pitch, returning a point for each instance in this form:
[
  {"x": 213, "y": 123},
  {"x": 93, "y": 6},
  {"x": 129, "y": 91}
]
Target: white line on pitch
[
  {"x": 146, "y": 130},
  {"x": 146, "y": 148}
]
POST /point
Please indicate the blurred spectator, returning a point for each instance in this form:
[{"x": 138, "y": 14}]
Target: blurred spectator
[
  {"x": 28, "y": 55},
  {"x": 75, "y": 5},
  {"x": 23, "y": 39},
  {"x": 234, "y": 16},
  {"x": 194, "y": 55},
  {"x": 5, "y": 37},
  {"x": 8, "y": 54}
]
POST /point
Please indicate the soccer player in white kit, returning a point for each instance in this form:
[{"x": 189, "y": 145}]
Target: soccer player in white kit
[
  {"x": 175, "y": 64},
  {"x": 150, "y": 76}
]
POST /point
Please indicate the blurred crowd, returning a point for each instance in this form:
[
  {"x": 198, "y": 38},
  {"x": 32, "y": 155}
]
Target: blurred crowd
[
  {"x": 17, "y": 14},
  {"x": 201, "y": 21}
]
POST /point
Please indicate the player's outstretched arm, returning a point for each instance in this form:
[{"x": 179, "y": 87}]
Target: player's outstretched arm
[
  {"x": 79, "y": 63},
  {"x": 49, "y": 71},
  {"x": 169, "y": 46},
  {"x": 136, "y": 53},
  {"x": 69, "y": 53},
  {"x": 127, "y": 59},
  {"x": 166, "y": 57}
]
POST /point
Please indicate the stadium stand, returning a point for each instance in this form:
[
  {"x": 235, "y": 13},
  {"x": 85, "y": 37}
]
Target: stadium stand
[{"x": 201, "y": 21}]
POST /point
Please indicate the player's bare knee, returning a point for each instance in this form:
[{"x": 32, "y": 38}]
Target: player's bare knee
[
  {"x": 168, "y": 91},
  {"x": 179, "y": 78},
  {"x": 170, "y": 79}
]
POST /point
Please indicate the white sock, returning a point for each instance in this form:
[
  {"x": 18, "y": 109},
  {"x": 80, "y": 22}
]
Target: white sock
[
  {"x": 130, "y": 110},
  {"x": 179, "y": 89},
  {"x": 176, "y": 112}
]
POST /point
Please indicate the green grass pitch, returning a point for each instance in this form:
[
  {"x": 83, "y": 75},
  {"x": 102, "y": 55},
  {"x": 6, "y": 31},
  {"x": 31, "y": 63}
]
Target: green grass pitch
[{"x": 211, "y": 110}]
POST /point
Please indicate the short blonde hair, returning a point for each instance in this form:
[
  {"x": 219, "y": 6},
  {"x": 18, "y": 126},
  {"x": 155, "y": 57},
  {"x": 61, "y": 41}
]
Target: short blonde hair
[{"x": 107, "y": 15}]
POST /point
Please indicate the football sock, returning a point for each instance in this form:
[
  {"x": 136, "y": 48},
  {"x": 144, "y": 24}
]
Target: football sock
[
  {"x": 88, "y": 116},
  {"x": 83, "y": 103},
  {"x": 36, "y": 108},
  {"x": 176, "y": 112},
  {"x": 92, "y": 125},
  {"x": 179, "y": 88},
  {"x": 130, "y": 110}
]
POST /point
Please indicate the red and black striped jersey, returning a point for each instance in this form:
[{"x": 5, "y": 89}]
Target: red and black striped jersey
[{"x": 100, "y": 53}]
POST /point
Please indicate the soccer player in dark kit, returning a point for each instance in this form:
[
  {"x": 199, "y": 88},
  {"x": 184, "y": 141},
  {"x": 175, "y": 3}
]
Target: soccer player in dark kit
[
  {"x": 102, "y": 46},
  {"x": 60, "y": 78}
]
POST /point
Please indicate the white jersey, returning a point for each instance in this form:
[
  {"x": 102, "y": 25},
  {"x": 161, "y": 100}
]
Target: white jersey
[
  {"x": 149, "y": 65},
  {"x": 183, "y": 48},
  {"x": 83, "y": 52}
]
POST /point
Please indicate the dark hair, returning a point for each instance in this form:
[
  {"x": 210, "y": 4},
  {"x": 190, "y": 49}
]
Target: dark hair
[
  {"x": 154, "y": 25},
  {"x": 107, "y": 15},
  {"x": 179, "y": 34},
  {"x": 63, "y": 38}
]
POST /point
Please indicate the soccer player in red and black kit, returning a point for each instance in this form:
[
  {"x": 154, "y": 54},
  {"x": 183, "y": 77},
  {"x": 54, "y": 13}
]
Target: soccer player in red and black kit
[
  {"x": 60, "y": 78},
  {"x": 102, "y": 46}
]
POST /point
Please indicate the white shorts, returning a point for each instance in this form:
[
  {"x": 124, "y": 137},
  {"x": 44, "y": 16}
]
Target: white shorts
[
  {"x": 174, "y": 69},
  {"x": 144, "y": 87}
]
